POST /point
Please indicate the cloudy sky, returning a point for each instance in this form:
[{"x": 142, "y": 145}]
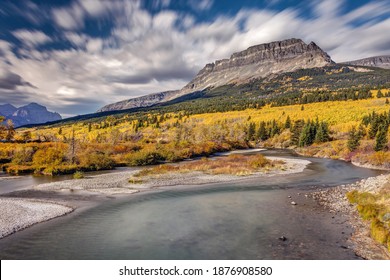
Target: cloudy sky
[{"x": 76, "y": 56}]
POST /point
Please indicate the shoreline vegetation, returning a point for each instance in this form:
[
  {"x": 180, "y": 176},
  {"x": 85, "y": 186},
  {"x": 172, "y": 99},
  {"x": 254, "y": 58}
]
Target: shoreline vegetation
[
  {"x": 233, "y": 164},
  {"x": 365, "y": 204}
]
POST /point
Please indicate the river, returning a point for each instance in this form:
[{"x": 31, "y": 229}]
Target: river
[{"x": 239, "y": 220}]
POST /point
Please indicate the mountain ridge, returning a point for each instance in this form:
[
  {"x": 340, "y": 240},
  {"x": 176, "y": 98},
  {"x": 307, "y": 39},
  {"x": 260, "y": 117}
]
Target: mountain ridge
[
  {"x": 381, "y": 61},
  {"x": 32, "y": 113},
  {"x": 257, "y": 61}
]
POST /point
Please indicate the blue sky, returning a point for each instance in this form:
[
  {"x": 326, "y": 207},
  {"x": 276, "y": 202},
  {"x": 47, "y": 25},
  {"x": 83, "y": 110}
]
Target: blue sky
[{"x": 76, "y": 56}]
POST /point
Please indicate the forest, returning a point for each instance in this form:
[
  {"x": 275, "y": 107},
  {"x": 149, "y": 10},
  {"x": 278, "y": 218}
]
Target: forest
[{"x": 352, "y": 129}]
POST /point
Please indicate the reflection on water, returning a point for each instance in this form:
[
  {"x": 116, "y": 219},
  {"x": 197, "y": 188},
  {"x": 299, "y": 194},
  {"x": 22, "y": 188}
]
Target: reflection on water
[{"x": 220, "y": 221}]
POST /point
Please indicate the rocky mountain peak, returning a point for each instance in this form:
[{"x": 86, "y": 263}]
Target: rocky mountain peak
[
  {"x": 32, "y": 113},
  {"x": 260, "y": 61},
  {"x": 7, "y": 109},
  {"x": 257, "y": 61}
]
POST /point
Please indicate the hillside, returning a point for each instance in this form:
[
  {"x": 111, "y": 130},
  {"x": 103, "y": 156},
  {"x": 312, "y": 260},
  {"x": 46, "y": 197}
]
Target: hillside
[
  {"x": 376, "y": 61},
  {"x": 301, "y": 86},
  {"x": 253, "y": 63}
]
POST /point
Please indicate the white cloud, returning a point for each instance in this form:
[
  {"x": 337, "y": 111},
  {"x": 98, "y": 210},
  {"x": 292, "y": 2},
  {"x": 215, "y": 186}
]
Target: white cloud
[
  {"x": 164, "y": 20},
  {"x": 327, "y": 8},
  {"x": 148, "y": 53},
  {"x": 158, "y": 4},
  {"x": 201, "y": 5},
  {"x": 70, "y": 18},
  {"x": 94, "y": 8},
  {"x": 31, "y": 38},
  {"x": 94, "y": 45},
  {"x": 368, "y": 11},
  {"x": 77, "y": 40}
]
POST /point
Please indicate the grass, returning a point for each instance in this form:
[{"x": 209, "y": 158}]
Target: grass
[
  {"x": 238, "y": 165},
  {"x": 374, "y": 207},
  {"x": 78, "y": 175}
]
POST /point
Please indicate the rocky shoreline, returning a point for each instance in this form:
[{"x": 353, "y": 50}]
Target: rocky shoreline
[
  {"x": 18, "y": 214},
  {"x": 335, "y": 201}
]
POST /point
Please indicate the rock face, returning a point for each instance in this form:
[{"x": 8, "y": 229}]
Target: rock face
[
  {"x": 7, "y": 110},
  {"x": 376, "y": 61},
  {"x": 255, "y": 62},
  {"x": 260, "y": 61},
  {"x": 143, "y": 101},
  {"x": 32, "y": 113}
]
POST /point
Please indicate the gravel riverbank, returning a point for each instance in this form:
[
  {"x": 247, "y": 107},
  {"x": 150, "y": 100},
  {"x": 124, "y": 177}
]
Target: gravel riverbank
[
  {"x": 334, "y": 199},
  {"x": 18, "y": 214}
]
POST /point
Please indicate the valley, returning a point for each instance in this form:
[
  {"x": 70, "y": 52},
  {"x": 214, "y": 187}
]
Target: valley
[{"x": 282, "y": 95}]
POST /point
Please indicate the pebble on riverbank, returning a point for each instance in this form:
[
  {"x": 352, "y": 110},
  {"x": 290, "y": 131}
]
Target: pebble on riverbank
[{"x": 18, "y": 214}]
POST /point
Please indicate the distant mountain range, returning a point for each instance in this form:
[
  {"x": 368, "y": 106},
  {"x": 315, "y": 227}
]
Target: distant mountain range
[
  {"x": 260, "y": 61},
  {"x": 32, "y": 113},
  {"x": 375, "y": 61}
]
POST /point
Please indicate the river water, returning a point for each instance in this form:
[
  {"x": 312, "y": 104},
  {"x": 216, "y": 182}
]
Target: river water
[{"x": 240, "y": 220}]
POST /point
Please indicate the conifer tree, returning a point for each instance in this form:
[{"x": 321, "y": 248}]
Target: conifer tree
[
  {"x": 262, "y": 132},
  {"x": 287, "y": 124},
  {"x": 296, "y": 131},
  {"x": 306, "y": 138},
  {"x": 381, "y": 139},
  {"x": 251, "y": 131},
  {"x": 322, "y": 133},
  {"x": 274, "y": 129},
  {"x": 353, "y": 139},
  {"x": 374, "y": 126}
]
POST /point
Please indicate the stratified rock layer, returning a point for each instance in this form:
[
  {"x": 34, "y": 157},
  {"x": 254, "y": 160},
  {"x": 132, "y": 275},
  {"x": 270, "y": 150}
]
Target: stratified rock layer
[
  {"x": 376, "y": 61},
  {"x": 255, "y": 62}
]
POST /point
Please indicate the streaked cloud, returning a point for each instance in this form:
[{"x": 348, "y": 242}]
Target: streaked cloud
[
  {"x": 143, "y": 52},
  {"x": 31, "y": 38}
]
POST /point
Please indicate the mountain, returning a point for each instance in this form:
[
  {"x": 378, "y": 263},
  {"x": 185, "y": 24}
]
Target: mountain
[
  {"x": 32, "y": 113},
  {"x": 375, "y": 61},
  {"x": 7, "y": 109},
  {"x": 258, "y": 61},
  {"x": 143, "y": 101}
]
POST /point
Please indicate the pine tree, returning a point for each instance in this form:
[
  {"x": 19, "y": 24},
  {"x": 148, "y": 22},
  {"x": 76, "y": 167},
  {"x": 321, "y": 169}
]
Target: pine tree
[
  {"x": 274, "y": 129},
  {"x": 322, "y": 134},
  {"x": 262, "y": 132},
  {"x": 251, "y": 131},
  {"x": 381, "y": 139},
  {"x": 374, "y": 126},
  {"x": 287, "y": 124},
  {"x": 296, "y": 131},
  {"x": 306, "y": 138},
  {"x": 353, "y": 139}
]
